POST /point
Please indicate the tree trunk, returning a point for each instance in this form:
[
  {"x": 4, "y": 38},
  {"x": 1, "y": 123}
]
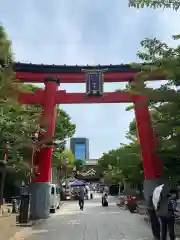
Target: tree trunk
[
  {"x": 59, "y": 176},
  {"x": 127, "y": 187},
  {"x": 3, "y": 177},
  {"x": 65, "y": 171}
]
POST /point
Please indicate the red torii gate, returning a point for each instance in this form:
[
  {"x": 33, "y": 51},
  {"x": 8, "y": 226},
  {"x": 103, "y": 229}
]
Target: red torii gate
[{"x": 52, "y": 76}]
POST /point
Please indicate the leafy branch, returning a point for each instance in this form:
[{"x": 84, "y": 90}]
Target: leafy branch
[{"x": 174, "y": 4}]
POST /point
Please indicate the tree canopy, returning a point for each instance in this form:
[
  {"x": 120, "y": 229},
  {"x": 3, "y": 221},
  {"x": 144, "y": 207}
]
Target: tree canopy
[
  {"x": 63, "y": 161},
  {"x": 162, "y": 60},
  {"x": 175, "y": 4},
  {"x": 125, "y": 162},
  {"x": 7, "y": 77},
  {"x": 19, "y": 123}
]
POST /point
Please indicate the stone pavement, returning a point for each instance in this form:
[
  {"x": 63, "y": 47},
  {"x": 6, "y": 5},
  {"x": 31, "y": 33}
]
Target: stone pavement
[
  {"x": 7, "y": 222},
  {"x": 94, "y": 223},
  {"x": 8, "y": 226}
]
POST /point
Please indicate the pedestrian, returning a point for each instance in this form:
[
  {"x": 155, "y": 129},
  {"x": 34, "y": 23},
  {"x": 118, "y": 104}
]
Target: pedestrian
[
  {"x": 106, "y": 190},
  {"x": 81, "y": 197},
  {"x": 155, "y": 225},
  {"x": 165, "y": 212}
]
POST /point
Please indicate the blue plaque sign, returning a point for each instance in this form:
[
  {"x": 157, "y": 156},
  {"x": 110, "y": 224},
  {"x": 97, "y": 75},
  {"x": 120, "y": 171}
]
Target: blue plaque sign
[{"x": 94, "y": 82}]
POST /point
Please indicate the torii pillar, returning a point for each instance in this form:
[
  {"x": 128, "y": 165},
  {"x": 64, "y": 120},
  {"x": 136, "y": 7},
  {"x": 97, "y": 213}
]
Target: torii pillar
[
  {"x": 40, "y": 186},
  {"x": 153, "y": 168}
]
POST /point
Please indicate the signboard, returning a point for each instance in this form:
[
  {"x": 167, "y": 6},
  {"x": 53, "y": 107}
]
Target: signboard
[{"x": 94, "y": 82}]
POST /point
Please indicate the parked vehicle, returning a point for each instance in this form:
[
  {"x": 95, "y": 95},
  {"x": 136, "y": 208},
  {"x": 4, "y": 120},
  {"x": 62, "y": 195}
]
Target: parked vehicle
[
  {"x": 54, "y": 198},
  {"x": 9, "y": 200},
  {"x": 120, "y": 201},
  {"x": 131, "y": 204},
  {"x": 68, "y": 194}
]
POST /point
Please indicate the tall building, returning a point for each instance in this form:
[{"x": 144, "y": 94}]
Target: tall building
[{"x": 80, "y": 148}]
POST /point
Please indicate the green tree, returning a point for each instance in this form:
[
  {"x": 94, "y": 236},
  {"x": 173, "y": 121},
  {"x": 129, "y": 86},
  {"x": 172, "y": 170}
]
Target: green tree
[
  {"x": 175, "y": 4},
  {"x": 166, "y": 124},
  {"x": 79, "y": 164},
  {"x": 161, "y": 59},
  {"x": 165, "y": 121},
  {"x": 15, "y": 124},
  {"x": 19, "y": 123},
  {"x": 122, "y": 164},
  {"x": 7, "y": 77},
  {"x": 64, "y": 162},
  {"x": 64, "y": 129},
  {"x": 158, "y": 58}
]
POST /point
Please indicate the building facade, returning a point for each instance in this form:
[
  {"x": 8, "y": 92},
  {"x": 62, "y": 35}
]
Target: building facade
[
  {"x": 92, "y": 162},
  {"x": 80, "y": 148}
]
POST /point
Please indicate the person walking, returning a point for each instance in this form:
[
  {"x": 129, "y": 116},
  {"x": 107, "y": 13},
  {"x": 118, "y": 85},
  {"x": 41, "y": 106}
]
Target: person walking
[
  {"x": 165, "y": 212},
  {"x": 104, "y": 195},
  {"x": 106, "y": 190},
  {"x": 81, "y": 197},
  {"x": 155, "y": 225}
]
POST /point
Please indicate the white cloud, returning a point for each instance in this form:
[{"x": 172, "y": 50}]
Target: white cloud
[{"x": 86, "y": 32}]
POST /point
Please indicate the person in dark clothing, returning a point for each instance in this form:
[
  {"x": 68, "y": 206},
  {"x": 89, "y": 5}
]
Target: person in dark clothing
[
  {"x": 165, "y": 212},
  {"x": 167, "y": 224},
  {"x": 81, "y": 198},
  {"x": 155, "y": 225}
]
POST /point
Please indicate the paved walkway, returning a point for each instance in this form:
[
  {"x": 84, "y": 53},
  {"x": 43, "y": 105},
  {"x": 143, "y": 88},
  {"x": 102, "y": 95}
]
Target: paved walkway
[
  {"x": 8, "y": 226},
  {"x": 94, "y": 223}
]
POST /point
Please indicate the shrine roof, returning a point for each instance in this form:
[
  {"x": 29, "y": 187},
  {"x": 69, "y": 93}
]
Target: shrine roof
[{"x": 41, "y": 68}]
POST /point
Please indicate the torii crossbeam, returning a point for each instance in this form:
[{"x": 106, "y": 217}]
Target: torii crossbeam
[{"x": 52, "y": 77}]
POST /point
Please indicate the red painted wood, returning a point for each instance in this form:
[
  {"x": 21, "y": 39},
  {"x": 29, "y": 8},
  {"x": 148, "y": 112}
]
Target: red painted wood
[
  {"x": 31, "y": 98},
  {"x": 79, "y": 98},
  {"x": 152, "y": 164},
  {"x": 62, "y": 97},
  {"x": 78, "y": 77},
  {"x": 48, "y": 120},
  {"x": 50, "y": 97}
]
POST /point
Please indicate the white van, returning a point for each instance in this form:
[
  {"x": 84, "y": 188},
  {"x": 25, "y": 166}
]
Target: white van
[{"x": 54, "y": 198}]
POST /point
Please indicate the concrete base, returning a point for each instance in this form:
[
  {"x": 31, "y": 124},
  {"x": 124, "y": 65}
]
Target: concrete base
[
  {"x": 150, "y": 185},
  {"x": 40, "y": 200}
]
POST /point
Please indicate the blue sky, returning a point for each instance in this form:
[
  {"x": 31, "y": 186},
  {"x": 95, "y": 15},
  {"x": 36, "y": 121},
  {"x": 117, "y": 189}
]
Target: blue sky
[{"x": 86, "y": 32}]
